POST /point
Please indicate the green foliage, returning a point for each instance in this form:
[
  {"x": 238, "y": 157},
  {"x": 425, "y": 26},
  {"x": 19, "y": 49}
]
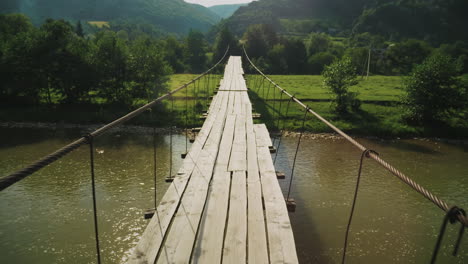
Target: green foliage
[
  {"x": 295, "y": 56},
  {"x": 338, "y": 77},
  {"x": 196, "y": 52},
  {"x": 79, "y": 29},
  {"x": 433, "y": 20},
  {"x": 259, "y": 39},
  {"x": 224, "y": 40},
  {"x": 403, "y": 56},
  {"x": 319, "y": 61},
  {"x": 54, "y": 64},
  {"x": 174, "y": 54},
  {"x": 318, "y": 42},
  {"x": 434, "y": 92}
]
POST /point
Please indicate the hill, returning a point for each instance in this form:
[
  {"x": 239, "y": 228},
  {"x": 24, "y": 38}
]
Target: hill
[
  {"x": 171, "y": 15},
  {"x": 225, "y": 11},
  {"x": 434, "y": 20}
]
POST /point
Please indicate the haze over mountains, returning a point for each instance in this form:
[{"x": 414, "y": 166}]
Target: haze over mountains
[{"x": 225, "y": 11}]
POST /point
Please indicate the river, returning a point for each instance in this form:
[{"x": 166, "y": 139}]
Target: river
[{"x": 47, "y": 218}]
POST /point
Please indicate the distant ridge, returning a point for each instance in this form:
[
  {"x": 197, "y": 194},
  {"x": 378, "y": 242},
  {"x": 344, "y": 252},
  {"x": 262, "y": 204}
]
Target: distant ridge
[{"x": 225, "y": 11}]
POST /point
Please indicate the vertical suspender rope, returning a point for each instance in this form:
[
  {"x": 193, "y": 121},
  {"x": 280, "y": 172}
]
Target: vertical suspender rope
[
  {"x": 155, "y": 178},
  {"x": 170, "y": 137},
  {"x": 364, "y": 154},
  {"x": 284, "y": 126},
  {"x": 451, "y": 217},
  {"x": 297, "y": 150},
  {"x": 278, "y": 117},
  {"x": 93, "y": 190},
  {"x": 186, "y": 120}
]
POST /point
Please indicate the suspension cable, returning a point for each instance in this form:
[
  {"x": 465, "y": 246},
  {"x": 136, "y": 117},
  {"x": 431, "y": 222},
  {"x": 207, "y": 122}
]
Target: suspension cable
[
  {"x": 415, "y": 186},
  {"x": 7, "y": 181}
]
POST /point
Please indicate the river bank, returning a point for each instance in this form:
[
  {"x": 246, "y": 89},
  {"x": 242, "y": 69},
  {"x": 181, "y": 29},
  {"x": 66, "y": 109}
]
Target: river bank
[{"x": 181, "y": 131}]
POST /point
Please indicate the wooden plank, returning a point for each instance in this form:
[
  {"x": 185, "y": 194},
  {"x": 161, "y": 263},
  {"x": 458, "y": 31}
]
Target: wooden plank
[
  {"x": 150, "y": 242},
  {"x": 281, "y": 243},
  {"x": 238, "y": 161},
  {"x": 257, "y": 242},
  {"x": 209, "y": 244},
  {"x": 263, "y": 137},
  {"x": 181, "y": 237},
  {"x": 235, "y": 243}
]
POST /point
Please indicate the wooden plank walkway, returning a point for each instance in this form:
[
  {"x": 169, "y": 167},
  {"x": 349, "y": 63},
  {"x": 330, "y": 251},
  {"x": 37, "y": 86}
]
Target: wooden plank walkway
[{"x": 225, "y": 204}]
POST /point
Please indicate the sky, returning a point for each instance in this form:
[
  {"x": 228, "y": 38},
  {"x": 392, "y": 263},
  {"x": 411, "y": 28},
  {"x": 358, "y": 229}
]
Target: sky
[{"x": 217, "y": 2}]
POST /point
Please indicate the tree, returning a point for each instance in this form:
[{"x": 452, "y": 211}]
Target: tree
[
  {"x": 259, "y": 39},
  {"x": 111, "y": 58},
  {"x": 433, "y": 90},
  {"x": 318, "y": 42},
  {"x": 148, "y": 69},
  {"x": 318, "y": 62},
  {"x": 196, "y": 51},
  {"x": 277, "y": 59},
  {"x": 403, "y": 56},
  {"x": 223, "y": 40},
  {"x": 338, "y": 77},
  {"x": 79, "y": 29},
  {"x": 296, "y": 56},
  {"x": 174, "y": 54}
]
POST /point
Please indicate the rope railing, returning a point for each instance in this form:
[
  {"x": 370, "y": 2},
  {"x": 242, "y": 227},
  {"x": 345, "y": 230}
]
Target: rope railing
[
  {"x": 19, "y": 175},
  {"x": 400, "y": 175}
]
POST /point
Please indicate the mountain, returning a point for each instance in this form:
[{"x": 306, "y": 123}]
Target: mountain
[
  {"x": 225, "y": 11},
  {"x": 434, "y": 20},
  {"x": 171, "y": 15}
]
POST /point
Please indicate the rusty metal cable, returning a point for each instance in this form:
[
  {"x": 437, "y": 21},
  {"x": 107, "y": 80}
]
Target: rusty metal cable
[
  {"x": 400, "y": 175},
  {"x": 7, "y": 181}
]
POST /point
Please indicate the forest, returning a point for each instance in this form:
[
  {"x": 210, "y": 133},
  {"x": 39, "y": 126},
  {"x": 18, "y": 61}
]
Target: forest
[{"x": 46, "y": 64}]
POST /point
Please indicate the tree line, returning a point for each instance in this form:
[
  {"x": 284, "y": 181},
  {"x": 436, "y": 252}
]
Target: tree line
[
  {"x": 309, "y": 55},
  {"x": 57, "y": 63}
]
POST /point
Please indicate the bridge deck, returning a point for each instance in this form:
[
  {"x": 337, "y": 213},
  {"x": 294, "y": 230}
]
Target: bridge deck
[{"x": 225, "y": 204}]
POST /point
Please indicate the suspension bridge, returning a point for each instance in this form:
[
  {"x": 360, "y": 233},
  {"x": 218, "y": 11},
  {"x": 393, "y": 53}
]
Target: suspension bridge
[{"x": 225, "y": 205}]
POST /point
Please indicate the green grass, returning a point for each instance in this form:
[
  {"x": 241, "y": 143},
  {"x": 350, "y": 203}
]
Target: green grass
[
  {"x": 310, "y": 87},
  {"x": 381, "y": 113}
]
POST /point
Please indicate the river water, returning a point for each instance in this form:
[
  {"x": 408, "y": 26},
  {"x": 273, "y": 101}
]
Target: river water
[{"x": 47, "y": 218}]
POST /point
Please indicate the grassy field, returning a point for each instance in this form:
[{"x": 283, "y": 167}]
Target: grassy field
[
  {"x": 99, "y": 24},
  {"x": 310, "y": 87},
  {"x": 381, "y": 113}
]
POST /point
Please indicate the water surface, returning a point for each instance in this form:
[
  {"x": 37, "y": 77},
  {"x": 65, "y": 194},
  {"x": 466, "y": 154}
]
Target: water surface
[{"x": 47, "y": 218}]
